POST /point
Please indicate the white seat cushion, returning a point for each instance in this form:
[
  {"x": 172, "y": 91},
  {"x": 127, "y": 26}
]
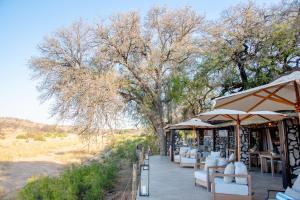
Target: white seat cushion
[
  {"x": 183, "y": 151},
  {"x": 229, "y": 188},
  {"x": 292, "y": 193},
  {"x": 222, "y": 162},
  {"x": 193, "y": 153},
  {"x": 215, "y": 154},
  {"x": 200, "y": 175},
  {"x": 240, "y": 169},
  {"x": 296, "y": 185},
  {"x": 177, "y": 158},
  {"x": 229, "y": 169},
  {"x": 209, "y": 162},
  {"x": 188, "y": 160}
]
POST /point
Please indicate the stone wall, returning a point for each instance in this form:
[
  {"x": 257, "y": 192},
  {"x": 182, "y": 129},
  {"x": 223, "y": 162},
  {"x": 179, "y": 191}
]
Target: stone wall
[
  {"x": 244, "y": 138},
  {"x": 293, "y": 146},
  {"x": 221, "y": 144}
]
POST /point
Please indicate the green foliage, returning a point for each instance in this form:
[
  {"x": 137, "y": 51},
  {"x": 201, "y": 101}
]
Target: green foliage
[
  {"x": 56, "y": 134},
  {"x": 87, "y": 182},
  {"x": 34, "y": 136}
]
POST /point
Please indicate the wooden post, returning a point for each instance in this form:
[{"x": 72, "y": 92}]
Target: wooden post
[
  {"x": 238, "y": 139},
  {"x": 134, "y": 181},
  {"x": 284, "y": 154}
]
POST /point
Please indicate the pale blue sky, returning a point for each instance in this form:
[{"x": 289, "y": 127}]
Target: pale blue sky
[{"x": 23, "y": 24}]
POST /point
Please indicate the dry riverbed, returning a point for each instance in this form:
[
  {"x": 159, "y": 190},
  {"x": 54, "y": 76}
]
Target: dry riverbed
[{"x": 24, "y": 159}]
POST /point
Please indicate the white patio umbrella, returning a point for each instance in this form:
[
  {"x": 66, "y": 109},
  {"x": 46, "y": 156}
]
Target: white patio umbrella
[
  {"x": 281, "y": 94},
  {"x": 240, "y": 117},
  {"x": 192, "y": 124}
]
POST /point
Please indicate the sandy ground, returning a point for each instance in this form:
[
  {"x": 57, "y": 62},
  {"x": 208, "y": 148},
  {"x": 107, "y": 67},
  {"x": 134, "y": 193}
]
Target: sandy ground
[{"x": 21, "y": 160}]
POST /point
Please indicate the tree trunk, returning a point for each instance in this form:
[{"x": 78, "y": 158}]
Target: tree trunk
[
  {"x": 243, "y": 75},
  {"x": 162, "y": 141}
]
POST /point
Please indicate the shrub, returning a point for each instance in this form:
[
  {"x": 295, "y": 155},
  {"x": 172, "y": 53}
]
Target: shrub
[
  {"x": 34, "y": 136},
  {"x": 87, "y": 182},
  {"x": 39, "y": 137},
  {"x": 22, "y": 136},
  {"x": 78, "y": 182},
  {"x": 56, "y": 134}
]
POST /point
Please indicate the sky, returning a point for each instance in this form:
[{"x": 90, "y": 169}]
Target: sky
[{"x": 24, "y": 24}]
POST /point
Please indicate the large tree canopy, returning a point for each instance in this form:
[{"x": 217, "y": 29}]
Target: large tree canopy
[{"x": 165, "y": 66}]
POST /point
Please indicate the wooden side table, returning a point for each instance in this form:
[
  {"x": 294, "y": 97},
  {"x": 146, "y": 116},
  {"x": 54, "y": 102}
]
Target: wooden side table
[{"x": 263, "y": 159}]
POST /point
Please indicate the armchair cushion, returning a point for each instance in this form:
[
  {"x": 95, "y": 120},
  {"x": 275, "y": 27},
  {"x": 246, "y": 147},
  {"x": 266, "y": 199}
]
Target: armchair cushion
[
  {"x": 193, "y": 153},
  {"x": 183, "y": 151},
  {"x": 229, "y": 169},
  {"x": 292, "y": 193},
  {"x": 209, "y": 162},
  {"x": 222, "y": 162},
  {"x": 230, "y": 188},
  {"x": 282, "y": 196},
  {"x": 176, "y": 158},
  {"x": 240, "y": 169},
  {"x": 186, "y": 160},
  {"x": 215, "y": 154},
  {"x": 296, "y": 185},
  {"x": 201, "y": 175}
]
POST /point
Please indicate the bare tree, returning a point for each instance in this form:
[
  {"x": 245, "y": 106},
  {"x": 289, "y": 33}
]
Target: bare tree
[
  {"x": 84, "y": 89},
  {"x": 91, "y": 72},
  {"x": 146, "y": 54}
]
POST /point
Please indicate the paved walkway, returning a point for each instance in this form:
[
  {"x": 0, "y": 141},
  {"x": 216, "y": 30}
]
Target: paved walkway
[{"x": 169, "y": 181}]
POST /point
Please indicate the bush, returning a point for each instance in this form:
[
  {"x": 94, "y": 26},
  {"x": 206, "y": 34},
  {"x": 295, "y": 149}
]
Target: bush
[
  {"x": 34, "y": 136},
  {"x": 56, "y": 134},
  {"x": 87, "y": 182},
  {"x": 78, "y": 182},
  {"x": 22, "y": 136}
]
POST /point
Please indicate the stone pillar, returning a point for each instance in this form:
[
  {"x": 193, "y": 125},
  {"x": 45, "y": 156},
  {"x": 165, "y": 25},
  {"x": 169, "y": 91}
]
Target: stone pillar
[
  {"x": 221, "y": 144},
  {"x": 293, "y": 146}
]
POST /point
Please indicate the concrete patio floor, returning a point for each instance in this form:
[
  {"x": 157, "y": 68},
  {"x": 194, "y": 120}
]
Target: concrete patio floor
[{"x": 169, "y": 181}]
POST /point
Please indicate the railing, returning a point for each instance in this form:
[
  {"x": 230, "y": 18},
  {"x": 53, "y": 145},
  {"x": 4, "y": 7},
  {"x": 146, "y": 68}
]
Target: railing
[{"x": 134, "y": 183}]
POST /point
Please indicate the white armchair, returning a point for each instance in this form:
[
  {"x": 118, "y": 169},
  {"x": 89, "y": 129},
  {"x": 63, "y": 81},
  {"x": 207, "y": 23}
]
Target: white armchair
[
  {"x": 189, "y": 159},
  {"x": 234, "y": 184},
  {"x": 203, "y": 174},
  {"x": 182, "y": 153},
  {"x": 222, "y": 190}
]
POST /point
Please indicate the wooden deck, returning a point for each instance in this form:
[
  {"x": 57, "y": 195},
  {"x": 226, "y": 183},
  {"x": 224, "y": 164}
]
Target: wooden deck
[{"x": 169, "y": 181}]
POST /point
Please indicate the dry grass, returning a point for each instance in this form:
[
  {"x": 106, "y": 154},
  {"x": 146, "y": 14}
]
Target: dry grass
[{"x": 26, "y": 153}]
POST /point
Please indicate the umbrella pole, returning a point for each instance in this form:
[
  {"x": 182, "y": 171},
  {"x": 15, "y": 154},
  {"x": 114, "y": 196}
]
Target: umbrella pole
[
  {"x": 194, "y": 136},
  {"x": 238, "y": 124}
]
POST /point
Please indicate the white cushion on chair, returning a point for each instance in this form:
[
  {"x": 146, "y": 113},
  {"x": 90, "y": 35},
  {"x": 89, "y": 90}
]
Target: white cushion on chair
[
  {"x": 230, "y": 188},
  {"x": 215, "y": 154},
  {"x": 222, "y": 161},
  {"x": 292, "y": 193},
  {"x": 193, "y": 153},
  {"x": 296, "y": 185},
  {"x": 229, "y": 169},
  {"x": 176, "y": 158},
  {"x": 188, "y": 160},
  {"x": 183, "y": 151},
  {"x": 209, "y": 162},
  {"x": 200, "y": 175},
  {"x": 240, "y": 169}
]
